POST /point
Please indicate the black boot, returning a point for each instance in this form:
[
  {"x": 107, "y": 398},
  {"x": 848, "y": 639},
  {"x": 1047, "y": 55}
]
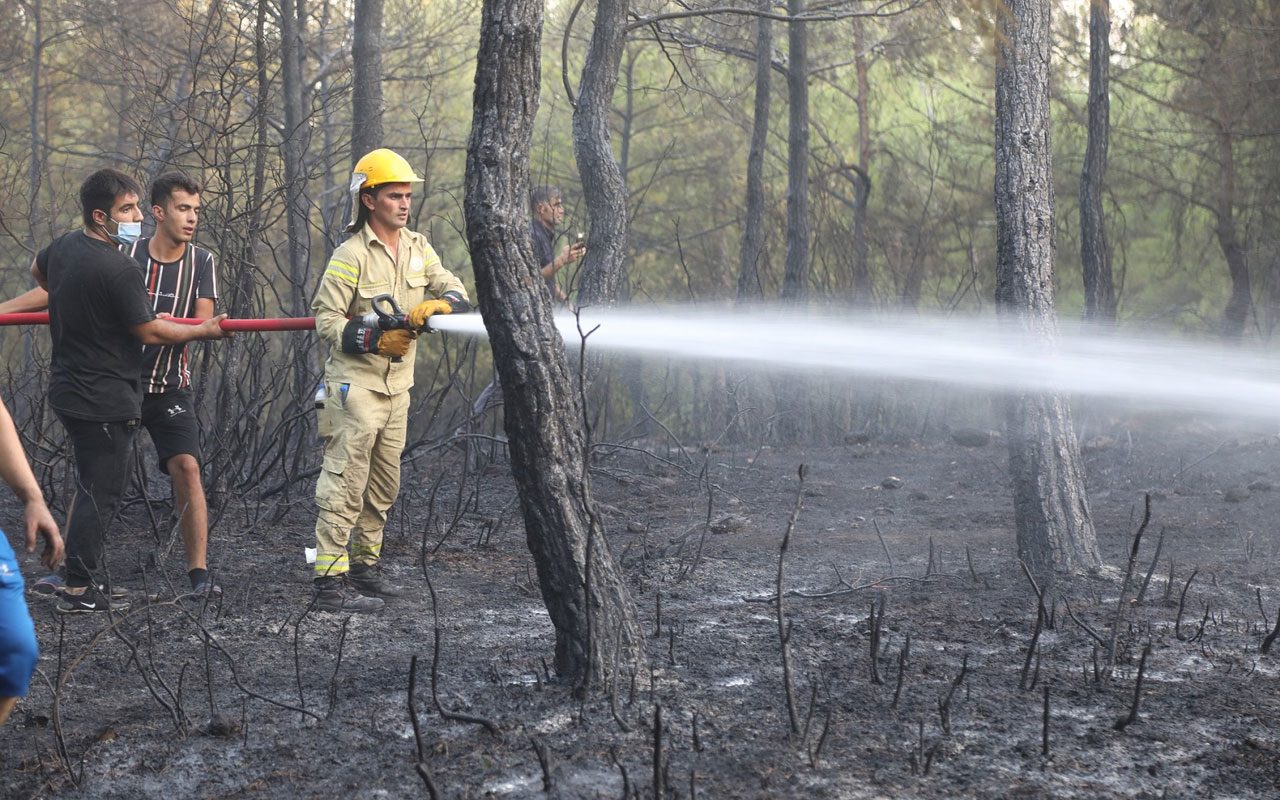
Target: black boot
[
  {"x": 336, "y": 593},
  {"x": 369, "y": 580}
]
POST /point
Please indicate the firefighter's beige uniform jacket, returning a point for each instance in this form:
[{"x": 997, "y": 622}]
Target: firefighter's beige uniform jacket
[
  {"x": 358, "y": 271},
  {"x": 365, "y": 417}
]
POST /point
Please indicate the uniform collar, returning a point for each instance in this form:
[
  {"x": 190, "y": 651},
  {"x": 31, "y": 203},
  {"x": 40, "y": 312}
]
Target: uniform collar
[{"x": 369, "y": 237}]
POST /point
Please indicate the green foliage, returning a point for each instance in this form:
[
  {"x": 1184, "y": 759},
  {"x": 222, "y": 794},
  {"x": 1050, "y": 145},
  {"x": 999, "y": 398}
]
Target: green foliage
[{"x": 176, "y": 85}]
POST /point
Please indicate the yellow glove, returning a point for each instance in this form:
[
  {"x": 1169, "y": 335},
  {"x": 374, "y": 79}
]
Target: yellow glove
[
  {"x": 423, "y": 311},
  {"x": 395, "y": 343}
]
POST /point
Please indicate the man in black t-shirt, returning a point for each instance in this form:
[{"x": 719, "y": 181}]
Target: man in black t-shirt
[
  {"x": 99, "y": 312},
  {"x": 548, "y": 213}
]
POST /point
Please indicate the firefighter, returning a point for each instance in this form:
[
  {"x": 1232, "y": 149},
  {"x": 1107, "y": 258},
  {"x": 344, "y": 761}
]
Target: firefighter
[{"x": 367, "y": 378}]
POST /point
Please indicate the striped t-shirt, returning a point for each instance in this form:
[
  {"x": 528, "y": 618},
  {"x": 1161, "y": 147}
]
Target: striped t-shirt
[{"x": 173, "y": 288}]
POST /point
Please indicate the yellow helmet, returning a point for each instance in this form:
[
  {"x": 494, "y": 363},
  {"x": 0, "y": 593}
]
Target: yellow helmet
[{"x": 379, "y": 167}]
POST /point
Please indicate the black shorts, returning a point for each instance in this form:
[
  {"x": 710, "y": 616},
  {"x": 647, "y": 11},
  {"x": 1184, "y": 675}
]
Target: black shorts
[{"x": 170, "y": 418}]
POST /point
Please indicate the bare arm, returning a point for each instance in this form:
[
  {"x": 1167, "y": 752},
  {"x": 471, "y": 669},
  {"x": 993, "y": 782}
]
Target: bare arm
[
  {"x": 36, "y": 299},
  {"x": 16, "y": 472},
  {"x": 204, "y": 307},
  {"x": 162, "y": 331},
  {"x": 568, "y": 254}
]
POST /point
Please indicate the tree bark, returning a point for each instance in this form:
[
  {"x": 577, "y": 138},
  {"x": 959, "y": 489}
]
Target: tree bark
[
  {"x": 750, "y": 285},
  {"x": 1051, "y": 509},
  {"x": 862, "y": 177},
  {"x": 294, "y": 148},
  {"x": 603, "y": 187},
  {"x": 366, "y": 79},
  {"x": 33, "y": 166},
  {"x": 594, "y": 617},
  {"x": 795, "y": 279},
  {"x": 1095, "y": 255},
  {"x": 1236, "y": 315}
]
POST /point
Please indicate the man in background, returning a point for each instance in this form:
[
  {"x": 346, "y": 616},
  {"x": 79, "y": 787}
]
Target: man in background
[{"x": 547, "y": 208}]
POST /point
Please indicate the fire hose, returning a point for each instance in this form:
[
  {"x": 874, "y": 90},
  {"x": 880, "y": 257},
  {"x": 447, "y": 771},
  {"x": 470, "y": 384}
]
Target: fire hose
[
  {"x": 385, "y": 315},
  {"x": 270, "y": 324}
]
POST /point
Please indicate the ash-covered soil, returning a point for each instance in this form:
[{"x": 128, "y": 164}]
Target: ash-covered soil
[{"x": 256, "y": 697}]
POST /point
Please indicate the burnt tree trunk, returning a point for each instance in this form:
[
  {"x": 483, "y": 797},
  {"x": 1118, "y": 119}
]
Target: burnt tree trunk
[
  {"x": 294, "y": 147},
  {"x": 1095, "y": 255},
  {"x": 750, "y": 285},
  {"x": 1051, "y": 509},
  {"x": 1236, "y": 315},
  {"x": 366, "y": 79},
  {"x": 862, "y": 176},
  {"x": 603, "y": 187},
  {"x": 594, "y": 618},
  {"x": 795, "y": 279}
]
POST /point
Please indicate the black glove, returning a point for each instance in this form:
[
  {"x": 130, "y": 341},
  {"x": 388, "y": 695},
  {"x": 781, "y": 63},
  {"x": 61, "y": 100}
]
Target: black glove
[
  {"x": 356, "y": 338},
  {"x": 457, "y": 302}
]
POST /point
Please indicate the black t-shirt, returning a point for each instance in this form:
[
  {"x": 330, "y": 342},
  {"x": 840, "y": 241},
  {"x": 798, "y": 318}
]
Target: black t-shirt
[
  {"x": 173, "y": 288},
  {"x": 95, "y": 294},
  {"x": 544, "y": 253}
]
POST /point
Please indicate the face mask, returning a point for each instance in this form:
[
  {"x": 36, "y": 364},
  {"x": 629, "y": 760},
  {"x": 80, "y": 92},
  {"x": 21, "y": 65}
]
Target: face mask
[{"x": 126, "y": 232}]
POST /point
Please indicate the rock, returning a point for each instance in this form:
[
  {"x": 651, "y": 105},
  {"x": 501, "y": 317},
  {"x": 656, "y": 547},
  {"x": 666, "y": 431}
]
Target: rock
[
  {"x": 1096, "y": 444},
  {"x": 220, "y": 725},
  {"x": 971, "y": 437},
  {"x": 1236, "y": 495},
  {"x": 857, "y": 438},
  {"x": 891, "y": 483},
  {"x": 917, "y": 495},
  {"x": 1260, "y": 486},
  {"x": 636, "y": 527},
  {"x": 730, "y": 524}
]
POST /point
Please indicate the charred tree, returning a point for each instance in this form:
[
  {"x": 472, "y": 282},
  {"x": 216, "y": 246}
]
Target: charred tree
[
  {"x": 750, "y": 285},
  {"x": 795, "y": 279},
  {"x": 1051, "y": 509},
  {"x": 294, "y": 147},
  {"x": 1236, "y": 315},
  {"x": 604, "y": 189},
  {"x": 1095, "y": 255},
  {"x": 862, "y": 175},
  {"x": 594, "y": 617},
  {"x": 366, "y": 78}
]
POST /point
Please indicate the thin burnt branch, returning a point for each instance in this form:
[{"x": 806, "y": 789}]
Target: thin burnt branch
[
  {"x": 1125, "y": 722},
  {"x": 420, "y": 765},
  {"x": 1155, "y": 559},
  {"x": 784, "y": 627}
]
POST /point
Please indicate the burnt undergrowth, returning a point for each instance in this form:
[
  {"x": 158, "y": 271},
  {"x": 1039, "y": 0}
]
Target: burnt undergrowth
[{"x": 894, "y": 645}]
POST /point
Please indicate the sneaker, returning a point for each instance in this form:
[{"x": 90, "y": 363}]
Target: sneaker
[
  {"x": 92, "y": 600},
  {"x": 369, "y": 580},
  {"x": 56, "y": 584},
  {"x": 50, "y": 585},
  {"x": 206, "y": 588},
  {"x": 336, "y": 593}
]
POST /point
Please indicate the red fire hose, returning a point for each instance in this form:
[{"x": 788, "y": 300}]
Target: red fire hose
[{"x": 276, "y": 324}]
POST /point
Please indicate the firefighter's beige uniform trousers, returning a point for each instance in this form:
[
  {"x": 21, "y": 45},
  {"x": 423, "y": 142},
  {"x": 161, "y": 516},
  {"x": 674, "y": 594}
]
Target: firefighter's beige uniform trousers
[{"x": 365, "y": 434}]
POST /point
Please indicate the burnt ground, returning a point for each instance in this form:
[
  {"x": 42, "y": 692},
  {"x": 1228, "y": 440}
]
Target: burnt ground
[{"x": 148, "y": 709}]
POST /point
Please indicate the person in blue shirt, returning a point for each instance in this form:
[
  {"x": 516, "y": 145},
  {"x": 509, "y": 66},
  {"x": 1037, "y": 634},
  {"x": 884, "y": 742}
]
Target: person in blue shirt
[{"x": 17, "y": 633}]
